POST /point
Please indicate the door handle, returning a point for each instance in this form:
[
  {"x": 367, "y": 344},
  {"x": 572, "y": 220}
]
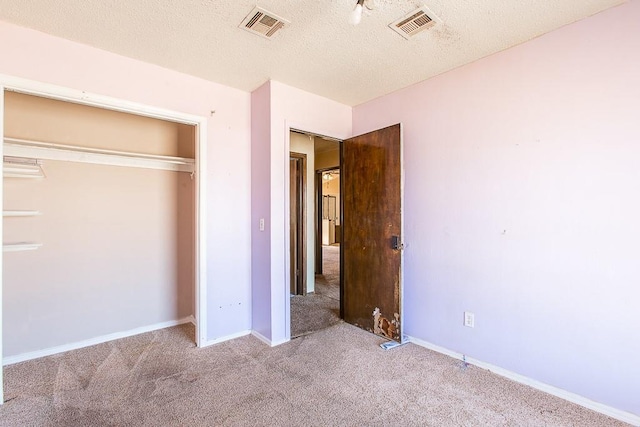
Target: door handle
[{"x": 396, "y": 244}]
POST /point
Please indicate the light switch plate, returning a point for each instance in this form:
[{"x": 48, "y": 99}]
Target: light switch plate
[{"x": 469, "y": 319}]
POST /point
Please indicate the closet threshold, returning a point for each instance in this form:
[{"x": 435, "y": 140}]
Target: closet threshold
[{"x": 52, "y": 151}]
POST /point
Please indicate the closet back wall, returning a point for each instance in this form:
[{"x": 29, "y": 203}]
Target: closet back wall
[{"x": 117, "y": 241}]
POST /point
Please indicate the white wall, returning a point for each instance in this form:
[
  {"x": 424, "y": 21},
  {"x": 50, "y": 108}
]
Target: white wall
[
  {"x": 40, "y": 57},
  {"x": 522, "y": 206},
  {"x": 304, "y": 144}
]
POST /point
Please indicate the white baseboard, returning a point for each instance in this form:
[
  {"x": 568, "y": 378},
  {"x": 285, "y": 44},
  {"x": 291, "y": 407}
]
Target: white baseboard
[
  {"x": 93, "y": 341},
  {"x": 225, "y": 338},
  {"x": 555, "y": 391},
  {"x": 277, "y": 343},
  {"x": 261, "y": 337},
  {"x": 266, "y": 340}
]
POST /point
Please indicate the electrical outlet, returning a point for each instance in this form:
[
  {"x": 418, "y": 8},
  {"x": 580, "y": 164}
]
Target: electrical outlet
[
  {"x": 261, "y": 224},
  {"x": 469, "y": 319}
]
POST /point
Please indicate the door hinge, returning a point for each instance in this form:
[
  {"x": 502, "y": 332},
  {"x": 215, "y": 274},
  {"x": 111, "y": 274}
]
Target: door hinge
[{"x": 396, "y": 244}]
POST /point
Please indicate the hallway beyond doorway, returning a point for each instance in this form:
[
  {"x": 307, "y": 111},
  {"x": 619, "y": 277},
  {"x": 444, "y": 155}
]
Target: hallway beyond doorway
[{"x": 321, "y": 309}]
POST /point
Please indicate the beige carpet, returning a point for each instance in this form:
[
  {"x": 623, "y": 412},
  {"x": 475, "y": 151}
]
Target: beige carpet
[
  {"x": 321, "y": 309},
  {"x": 335, "y": 377},
  {"x": 329, "y": 280}
]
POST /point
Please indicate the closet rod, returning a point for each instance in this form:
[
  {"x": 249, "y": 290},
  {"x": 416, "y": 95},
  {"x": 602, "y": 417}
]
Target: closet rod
[{"x": 51, "y": 151}]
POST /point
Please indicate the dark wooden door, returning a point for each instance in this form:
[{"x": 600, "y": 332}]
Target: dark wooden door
[
  {"x": 372, "y": 224},
  {"x": 297, "y": 173}
]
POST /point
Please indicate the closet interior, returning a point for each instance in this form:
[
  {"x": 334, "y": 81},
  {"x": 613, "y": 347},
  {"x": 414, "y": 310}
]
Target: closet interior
[{"x": 99, "y": 223}]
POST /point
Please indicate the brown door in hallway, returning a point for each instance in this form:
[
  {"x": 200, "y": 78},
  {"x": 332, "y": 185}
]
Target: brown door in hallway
[
  {"x": 297, "y": 173},
  {"x": 371, "y": 291}
]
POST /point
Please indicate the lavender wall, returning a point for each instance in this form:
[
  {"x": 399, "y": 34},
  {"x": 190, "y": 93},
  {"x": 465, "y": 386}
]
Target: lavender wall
[
  {"x": 260, "y": 208},
  {"x": 33, "y": 55},
  {"x": 522, "y": 206}
]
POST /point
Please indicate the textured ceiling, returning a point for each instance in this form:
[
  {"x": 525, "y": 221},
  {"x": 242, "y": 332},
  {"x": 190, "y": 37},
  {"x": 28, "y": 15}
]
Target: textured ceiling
[{"x": 318, "y": 52}]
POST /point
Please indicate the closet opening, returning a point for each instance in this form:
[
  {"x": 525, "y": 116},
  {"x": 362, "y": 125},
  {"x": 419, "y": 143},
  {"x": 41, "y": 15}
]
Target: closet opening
[{"x": 101, "y": 224}]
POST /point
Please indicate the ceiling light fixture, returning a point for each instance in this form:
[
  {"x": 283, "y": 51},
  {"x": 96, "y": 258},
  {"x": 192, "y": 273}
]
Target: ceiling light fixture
[
  {"x": 356, "y": 15},
  {"x": 330, "y": 175}
]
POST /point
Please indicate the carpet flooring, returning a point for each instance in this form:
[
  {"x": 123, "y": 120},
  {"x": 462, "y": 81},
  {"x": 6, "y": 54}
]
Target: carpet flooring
[
  {"x": 321, "y": 309},
  {"x": 338, "y": 376}
]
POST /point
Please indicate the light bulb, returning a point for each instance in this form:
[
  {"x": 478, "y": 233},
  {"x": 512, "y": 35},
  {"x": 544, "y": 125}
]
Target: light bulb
[{"x": 356, "y": 15}]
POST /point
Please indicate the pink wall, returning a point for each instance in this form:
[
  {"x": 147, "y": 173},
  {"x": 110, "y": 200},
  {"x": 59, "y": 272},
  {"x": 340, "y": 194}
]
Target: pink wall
[
  {"x": 522, "y": 206},
  {"x": 29, "y": 54}
]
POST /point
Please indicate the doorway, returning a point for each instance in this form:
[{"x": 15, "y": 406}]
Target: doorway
[
  {"x": 319, "y": 306},
  {"x": 328, "y": 231},
  {"x": 370, "y": 234}
]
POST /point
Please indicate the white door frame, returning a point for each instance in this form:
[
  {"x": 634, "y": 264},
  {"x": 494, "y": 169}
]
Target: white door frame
[
  {"x": 15, "y": 84},
  {"x": 309, "y": 129}
]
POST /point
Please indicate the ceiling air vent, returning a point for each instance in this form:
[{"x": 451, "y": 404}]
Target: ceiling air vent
[
  {"x": 415, "y": 22},
  {"x": 263, "y": 23}
]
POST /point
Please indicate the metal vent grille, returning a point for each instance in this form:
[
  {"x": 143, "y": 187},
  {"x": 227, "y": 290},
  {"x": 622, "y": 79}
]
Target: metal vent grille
[
  {"x": 414, "y": 23},
  {"x": 263, "y": 23}
]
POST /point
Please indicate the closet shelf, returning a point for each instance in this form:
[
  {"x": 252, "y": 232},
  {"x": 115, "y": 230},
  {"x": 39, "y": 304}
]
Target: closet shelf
[
  {"x": 71, "y": 153},
  {"x": 18, "y": 247},
  {"x": 10, "y": 169},
  {"x": 20, "y": 213}
]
